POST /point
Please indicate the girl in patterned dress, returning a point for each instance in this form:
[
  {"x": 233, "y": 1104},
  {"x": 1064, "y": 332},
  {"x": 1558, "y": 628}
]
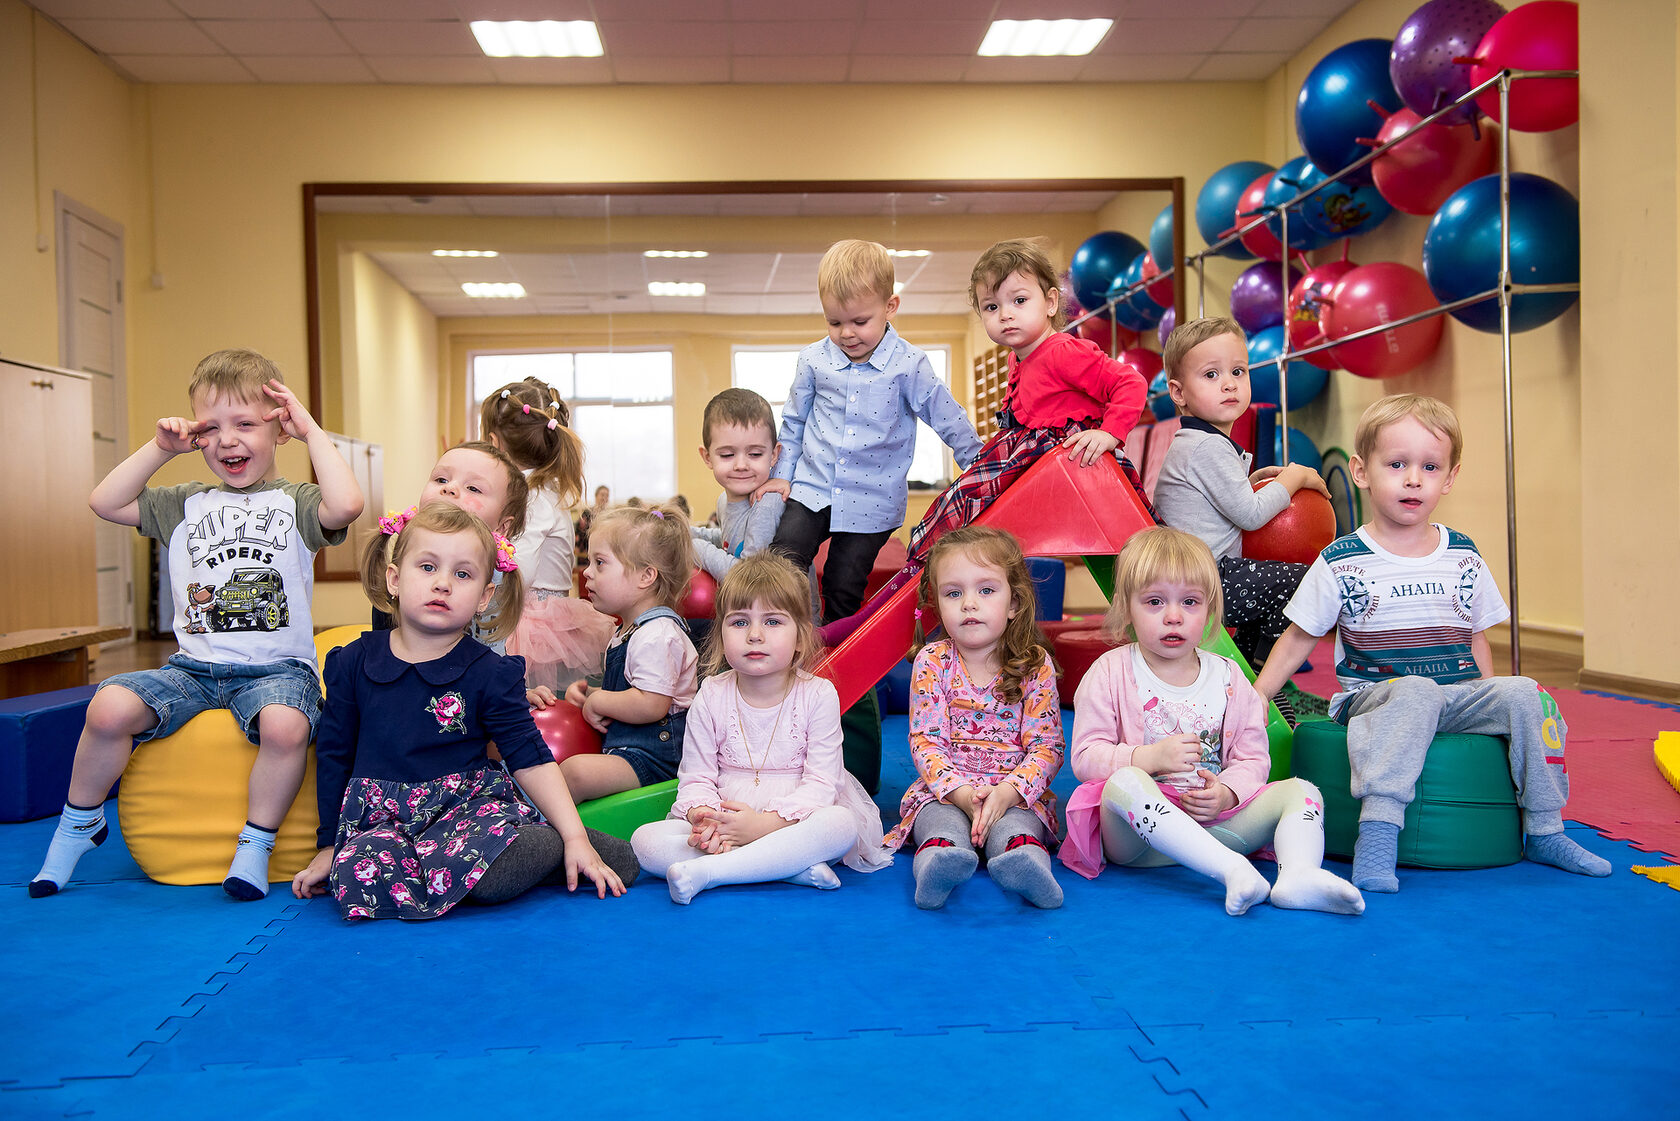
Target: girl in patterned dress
[
  {"x": 1169, "y": 744},
  {"x": 415, "y": 818},
  {"x": 985, "y": 727},
  {"x": 761, "y": 791}
]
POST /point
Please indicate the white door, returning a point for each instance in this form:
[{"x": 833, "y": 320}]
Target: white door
[{"x": 90, "y": 275}]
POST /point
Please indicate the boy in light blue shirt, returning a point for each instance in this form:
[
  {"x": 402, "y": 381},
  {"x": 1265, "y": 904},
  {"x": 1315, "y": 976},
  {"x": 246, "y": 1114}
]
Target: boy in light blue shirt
[{"x": 849, "y": 427}]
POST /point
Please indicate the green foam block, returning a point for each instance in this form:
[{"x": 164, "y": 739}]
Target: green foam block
[{"x": 620, "y": 814}]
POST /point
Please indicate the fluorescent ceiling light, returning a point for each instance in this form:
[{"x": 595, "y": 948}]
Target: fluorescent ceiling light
[
  {"x": 464, "y": 253},
  {"x": 1044, "y": 36},
  {"x": 676, "y": 288},
  {"x": 541, "y": 39},
  {"x": 684, "y": 253},
  {"x": 908, "y": 252},
  {"x": 481, "y": 291}
]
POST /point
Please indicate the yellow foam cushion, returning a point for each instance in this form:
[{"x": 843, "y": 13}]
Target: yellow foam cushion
[{"x": 333, "y": 637}]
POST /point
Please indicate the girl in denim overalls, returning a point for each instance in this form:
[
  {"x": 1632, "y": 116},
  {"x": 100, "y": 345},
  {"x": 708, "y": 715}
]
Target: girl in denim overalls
[{"x": 640, "y": 561}]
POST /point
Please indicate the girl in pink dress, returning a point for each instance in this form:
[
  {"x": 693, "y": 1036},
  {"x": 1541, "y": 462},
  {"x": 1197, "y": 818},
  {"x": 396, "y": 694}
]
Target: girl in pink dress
[
  {"x": 1169, "y": 744},
  {"x": 761, "y": 792},
  {"x": 985, "y": 727}
]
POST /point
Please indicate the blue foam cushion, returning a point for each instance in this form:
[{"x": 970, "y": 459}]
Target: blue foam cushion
[{"x": 38, "y": 735}]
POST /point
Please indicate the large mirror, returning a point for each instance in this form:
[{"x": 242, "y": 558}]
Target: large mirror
[{"x": 638, "y": 303}]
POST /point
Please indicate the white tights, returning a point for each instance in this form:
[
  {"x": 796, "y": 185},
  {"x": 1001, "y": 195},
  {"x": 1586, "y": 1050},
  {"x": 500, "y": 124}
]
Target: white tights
[
  {"x": 799, "y": 852},
  {"x": 1141, "y": 828}
]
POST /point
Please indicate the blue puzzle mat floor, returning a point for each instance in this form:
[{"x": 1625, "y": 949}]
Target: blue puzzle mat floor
[{"x": 1518, "y": 991}]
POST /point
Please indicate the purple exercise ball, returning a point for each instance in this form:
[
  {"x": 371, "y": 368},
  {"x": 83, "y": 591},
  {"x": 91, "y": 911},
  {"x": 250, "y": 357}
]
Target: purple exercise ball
[
  {"x": 1421, "y": 63},
  {"x": 1169, "y": 320},
  {"x": 1257, "y": 296}
]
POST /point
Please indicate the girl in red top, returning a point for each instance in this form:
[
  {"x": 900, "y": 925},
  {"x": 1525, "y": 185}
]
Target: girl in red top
[{"x": 1063, "y": 391}]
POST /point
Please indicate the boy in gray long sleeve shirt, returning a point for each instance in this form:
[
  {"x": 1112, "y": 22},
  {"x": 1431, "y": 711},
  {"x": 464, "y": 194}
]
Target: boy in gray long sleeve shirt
[
  {"x": 738, "y": 434},
  {"x": 1205, "y": 487}
]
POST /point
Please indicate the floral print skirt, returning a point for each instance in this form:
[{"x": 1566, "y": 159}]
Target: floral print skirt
[{"x": 414, "y": 850}]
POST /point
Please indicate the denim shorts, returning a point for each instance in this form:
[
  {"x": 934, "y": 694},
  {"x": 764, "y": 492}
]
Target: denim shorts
[
  {"x": 649, "y": 768},
  {"x": 185, "y": 687}
]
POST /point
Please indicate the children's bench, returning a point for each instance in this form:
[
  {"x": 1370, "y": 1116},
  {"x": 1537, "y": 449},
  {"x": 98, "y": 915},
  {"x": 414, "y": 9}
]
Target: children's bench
[{"x": 1464, "y": 813}]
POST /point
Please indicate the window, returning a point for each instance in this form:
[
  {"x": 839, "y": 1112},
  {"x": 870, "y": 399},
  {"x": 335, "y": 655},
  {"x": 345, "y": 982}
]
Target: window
[
  {"x": 769, "y": 373},
  {"x": 621, "y": 410}
]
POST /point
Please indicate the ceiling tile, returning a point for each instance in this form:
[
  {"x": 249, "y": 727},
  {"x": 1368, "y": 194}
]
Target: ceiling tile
[
  {"x": 977, "y": 10},
  {"x": 893, "y": 68},
  {"x": 1195, "y": 9},
  {"x": 1140, "y": 68},
  {"x": 652, "y": 11},
  {"x": 551, "y": 71},
  {"x": 1240, "y": 67},
  {"x": 1065, "y": 9},
  {"x": 1325, "y": 10},
  {"x": 142, "y": 36},
  {"x": 925, "y": 37},
  {"x": 106, "y": 9},
  {"x": 410, "y": 37},
  {"x": 652, "y": 69},
  {"x": 787, "y": 37},
  {"x": 1176, "y": 36},
  {"x": 282, "y": 37},
  {"x": 432, "y": 70},
  {"x": 665, "y": 37},
  {"x": 527, "y": 9},
  {"x": 164, "y": 68},
  {"x": 249, "y": 9},
  {"x": 382, "y": 9},
  {"x": 1256, "y": 35},
  {"x": 341, "y": 68},
  {"x": 802, "y": 10},
  {"x": 792, "y": 69}
]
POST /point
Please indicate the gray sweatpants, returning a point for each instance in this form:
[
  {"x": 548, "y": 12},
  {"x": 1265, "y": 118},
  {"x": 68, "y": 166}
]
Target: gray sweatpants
[{"x": 1390, "y": 726}]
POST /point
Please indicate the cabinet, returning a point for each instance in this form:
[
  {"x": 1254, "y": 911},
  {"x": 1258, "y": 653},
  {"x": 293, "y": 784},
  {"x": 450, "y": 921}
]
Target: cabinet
[
  {"x": 367, "y": 462},
  {"x": 48, "y": 535}
]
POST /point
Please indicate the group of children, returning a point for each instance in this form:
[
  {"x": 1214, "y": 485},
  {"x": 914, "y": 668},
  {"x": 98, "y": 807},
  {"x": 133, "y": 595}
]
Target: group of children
[{"x": 417, "y": 815}]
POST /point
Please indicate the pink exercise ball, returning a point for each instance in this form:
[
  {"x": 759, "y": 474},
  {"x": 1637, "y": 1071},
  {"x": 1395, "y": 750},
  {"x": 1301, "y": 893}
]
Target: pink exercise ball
[
  {"x": 1418, "y": 174},
  {"x": 700, "y": 601},
  {"x": 1260, "y": 241},
  {"x": 1372, "y": 295},
  {"x": 1145, "y": 362},
  {"x": 1162, "y": 290},
  {"x": 1306, "y": 310},
  {"x": 1544, "y": 35},
  {"x": 565, "y": 731}
]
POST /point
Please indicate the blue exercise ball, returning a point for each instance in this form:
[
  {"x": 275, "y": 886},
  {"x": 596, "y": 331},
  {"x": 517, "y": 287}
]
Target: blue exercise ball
[
  {"x": 1301, "y": 449},
  {"x": 1216, "y": 203},
  {"x": 1461, "y": 249},
  {"x": 1331, "y": 111},
  {"x": 1136, "y": 312},
  {"x": 1306, "y": 381},
  {"x": 1343, "y": 209},
  {"x": 1098, "y": 262},
  {"x": 1288, "y": 181},
  {"x": 1160, "y": 400},
  {"x": 1161, "y": 237}
]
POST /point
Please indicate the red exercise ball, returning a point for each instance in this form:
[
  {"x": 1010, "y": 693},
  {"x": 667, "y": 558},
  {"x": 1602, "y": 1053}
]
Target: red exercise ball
[
  {"x": 1306, "y": 310},
  {"x": 1102, "y": 331},
  {"x": 1145, "y": 362},
  {"x": 1372, "y": 295},
  {"x": 700, "y": 601},
  {"x": 1544, "y": 35},
  {"x": 1260, "y": 241},
  {"x": 1298, "y": 533},
  {"x": 1162, "y": 290},
  {"x": 565, "y": 731},
  {"x": 1419, "y": 173}
]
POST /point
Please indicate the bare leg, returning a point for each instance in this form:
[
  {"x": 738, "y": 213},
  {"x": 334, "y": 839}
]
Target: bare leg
[
  {"x": 282, "y": 757},
  {"x": 595, "y": 776}
]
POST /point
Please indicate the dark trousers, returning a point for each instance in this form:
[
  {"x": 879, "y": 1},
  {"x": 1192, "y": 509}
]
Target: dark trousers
[
  {"x": 1256, "y": 592},
  {"x": 851, "y": 556}
]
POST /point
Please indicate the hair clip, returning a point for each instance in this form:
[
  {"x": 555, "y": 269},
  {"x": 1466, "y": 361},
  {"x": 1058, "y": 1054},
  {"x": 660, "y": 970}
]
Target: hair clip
[
  {"x": 660, "y": 514},
  {"x": 392, "y": 523},
  {"x": 504, "y": 554},
  {"x": 555, "y": 405},
  {"x": 526, "y": 409},
  {"x": 553, "y": 424},
  {"x": 506, "y": 393}
]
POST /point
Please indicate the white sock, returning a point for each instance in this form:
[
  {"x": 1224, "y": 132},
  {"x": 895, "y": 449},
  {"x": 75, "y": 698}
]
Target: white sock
[
  {"x": 819, "y": 876},
  {"x": 247, "y": 878},
  {"x": 79, "y": 832}
]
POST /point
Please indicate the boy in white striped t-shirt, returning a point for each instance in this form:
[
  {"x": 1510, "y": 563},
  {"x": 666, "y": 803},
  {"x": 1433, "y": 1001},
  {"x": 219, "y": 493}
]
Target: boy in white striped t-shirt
[{"x": 1411, "y": 601}]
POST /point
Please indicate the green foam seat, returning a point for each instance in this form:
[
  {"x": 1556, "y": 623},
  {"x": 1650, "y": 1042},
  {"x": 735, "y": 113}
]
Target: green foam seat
[
  {"x": 620, "y": 814},
  {"x": 1464, "y": 811}
]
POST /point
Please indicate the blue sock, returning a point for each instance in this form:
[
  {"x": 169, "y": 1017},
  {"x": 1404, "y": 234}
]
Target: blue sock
[
  {"x": 80, "y": 831},
  {"x": 1560, "y": 852},
  {"x": 1375, "y": 854},
  {"x": 247, "y": 878}
]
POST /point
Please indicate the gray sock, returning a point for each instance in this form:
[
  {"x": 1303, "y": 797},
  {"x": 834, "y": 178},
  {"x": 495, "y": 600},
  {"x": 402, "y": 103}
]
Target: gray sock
[
  {"x": 1025, "y": 869},
  {"x": 247, "y": 878},
  {"x": 1561, "y": 852},
  {"x": 939, "y": 869},
  {"x": 1375, "y": 854}
]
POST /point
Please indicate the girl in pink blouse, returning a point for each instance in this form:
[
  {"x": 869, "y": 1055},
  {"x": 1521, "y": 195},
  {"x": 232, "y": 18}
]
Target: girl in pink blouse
[
  {"x": 1169, "y": 745},
  {"x": 985, "y": 727},
  {"x": 761, "y": 792}
]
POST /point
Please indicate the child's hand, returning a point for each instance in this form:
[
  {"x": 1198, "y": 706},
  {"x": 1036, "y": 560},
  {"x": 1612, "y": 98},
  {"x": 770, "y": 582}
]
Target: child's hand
[
  {"x": 1169, "y": 756},
  {"x": 177, "y": 434},
  {"x": 774, "y": 486},
  {"x": 582, "y": 857},
  {"x": 1265, "y": 474},
  {"x": 541, "y": 697},
  {"x": 739, "y": 824},
  {"x": 965, "y": 799},
  {"x": 313, "y": 879},
  {"x": 1090, "y": 445},
  {"x": 295, "y": 420},
  {"x": 1298, "y": 476},
  {"x": 577, "y": 692},
  {"x": 991, "y": 802},
  {"x": 592, "y": 714},
  {"x": 1213, "y": 799}
]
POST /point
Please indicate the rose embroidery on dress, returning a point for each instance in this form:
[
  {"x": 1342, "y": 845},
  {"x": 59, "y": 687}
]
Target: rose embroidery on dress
[{"x": 449, "y": 710}]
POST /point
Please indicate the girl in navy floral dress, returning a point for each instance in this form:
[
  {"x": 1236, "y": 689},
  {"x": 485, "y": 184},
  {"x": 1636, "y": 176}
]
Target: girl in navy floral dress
[{"x": 415, "y": 818}]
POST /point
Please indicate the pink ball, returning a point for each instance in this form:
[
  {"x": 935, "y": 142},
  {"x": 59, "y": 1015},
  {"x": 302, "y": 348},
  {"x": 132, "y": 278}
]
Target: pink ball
[
  {"x": 1145, "y": 362},
  {"x": 700, "y": 601},
  {"x": 1371, "y": 295},
  {"x": 1306, "y": 310},
  {"x": 1298, "y": 533},
  {"x": 1260, "y": 241},
  {"x": 1162, "y": 290},
  {"x": 1418, "y": 174},
  {"x": 1544, "y": 35},
  {"x": 566, "y": 732}
]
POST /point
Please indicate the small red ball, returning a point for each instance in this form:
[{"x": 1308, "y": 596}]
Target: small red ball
[
  {"x": 1297, "y": 534},
  {"x": 565, "y": 731}
]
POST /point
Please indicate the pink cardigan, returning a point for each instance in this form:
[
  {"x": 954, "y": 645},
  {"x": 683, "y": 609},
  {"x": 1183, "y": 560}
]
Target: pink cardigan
[{"x": 1106, "y": 720}]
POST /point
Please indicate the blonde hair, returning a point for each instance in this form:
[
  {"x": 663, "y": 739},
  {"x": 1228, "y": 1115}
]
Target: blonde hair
[
  {"x": 1026, "y": 256},
  {"x": 654, "y": 538},
  {"x": 1162, "y": 553},
  {"x": 1188, "y": 336},
  {"x": 531, "y": 423},
  {"x": 1021, "y": 648},
  {"x": 518, "y": 490},
  {"x": 236, "y": 374},
  {"x": 768, "y": 578},
  {"x": 853, "y": 268},
  {"x": 740, "y": 407},
  {"x": 1431, "y": 412},
  {"x": 385, "y": 550}
]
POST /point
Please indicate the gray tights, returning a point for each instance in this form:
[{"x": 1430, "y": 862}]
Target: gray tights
[{"x": 538, "y": 856}]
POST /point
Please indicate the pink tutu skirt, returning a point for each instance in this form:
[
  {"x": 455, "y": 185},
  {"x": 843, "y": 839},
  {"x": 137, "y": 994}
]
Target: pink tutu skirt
[{"x": 560, "y": 638}]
